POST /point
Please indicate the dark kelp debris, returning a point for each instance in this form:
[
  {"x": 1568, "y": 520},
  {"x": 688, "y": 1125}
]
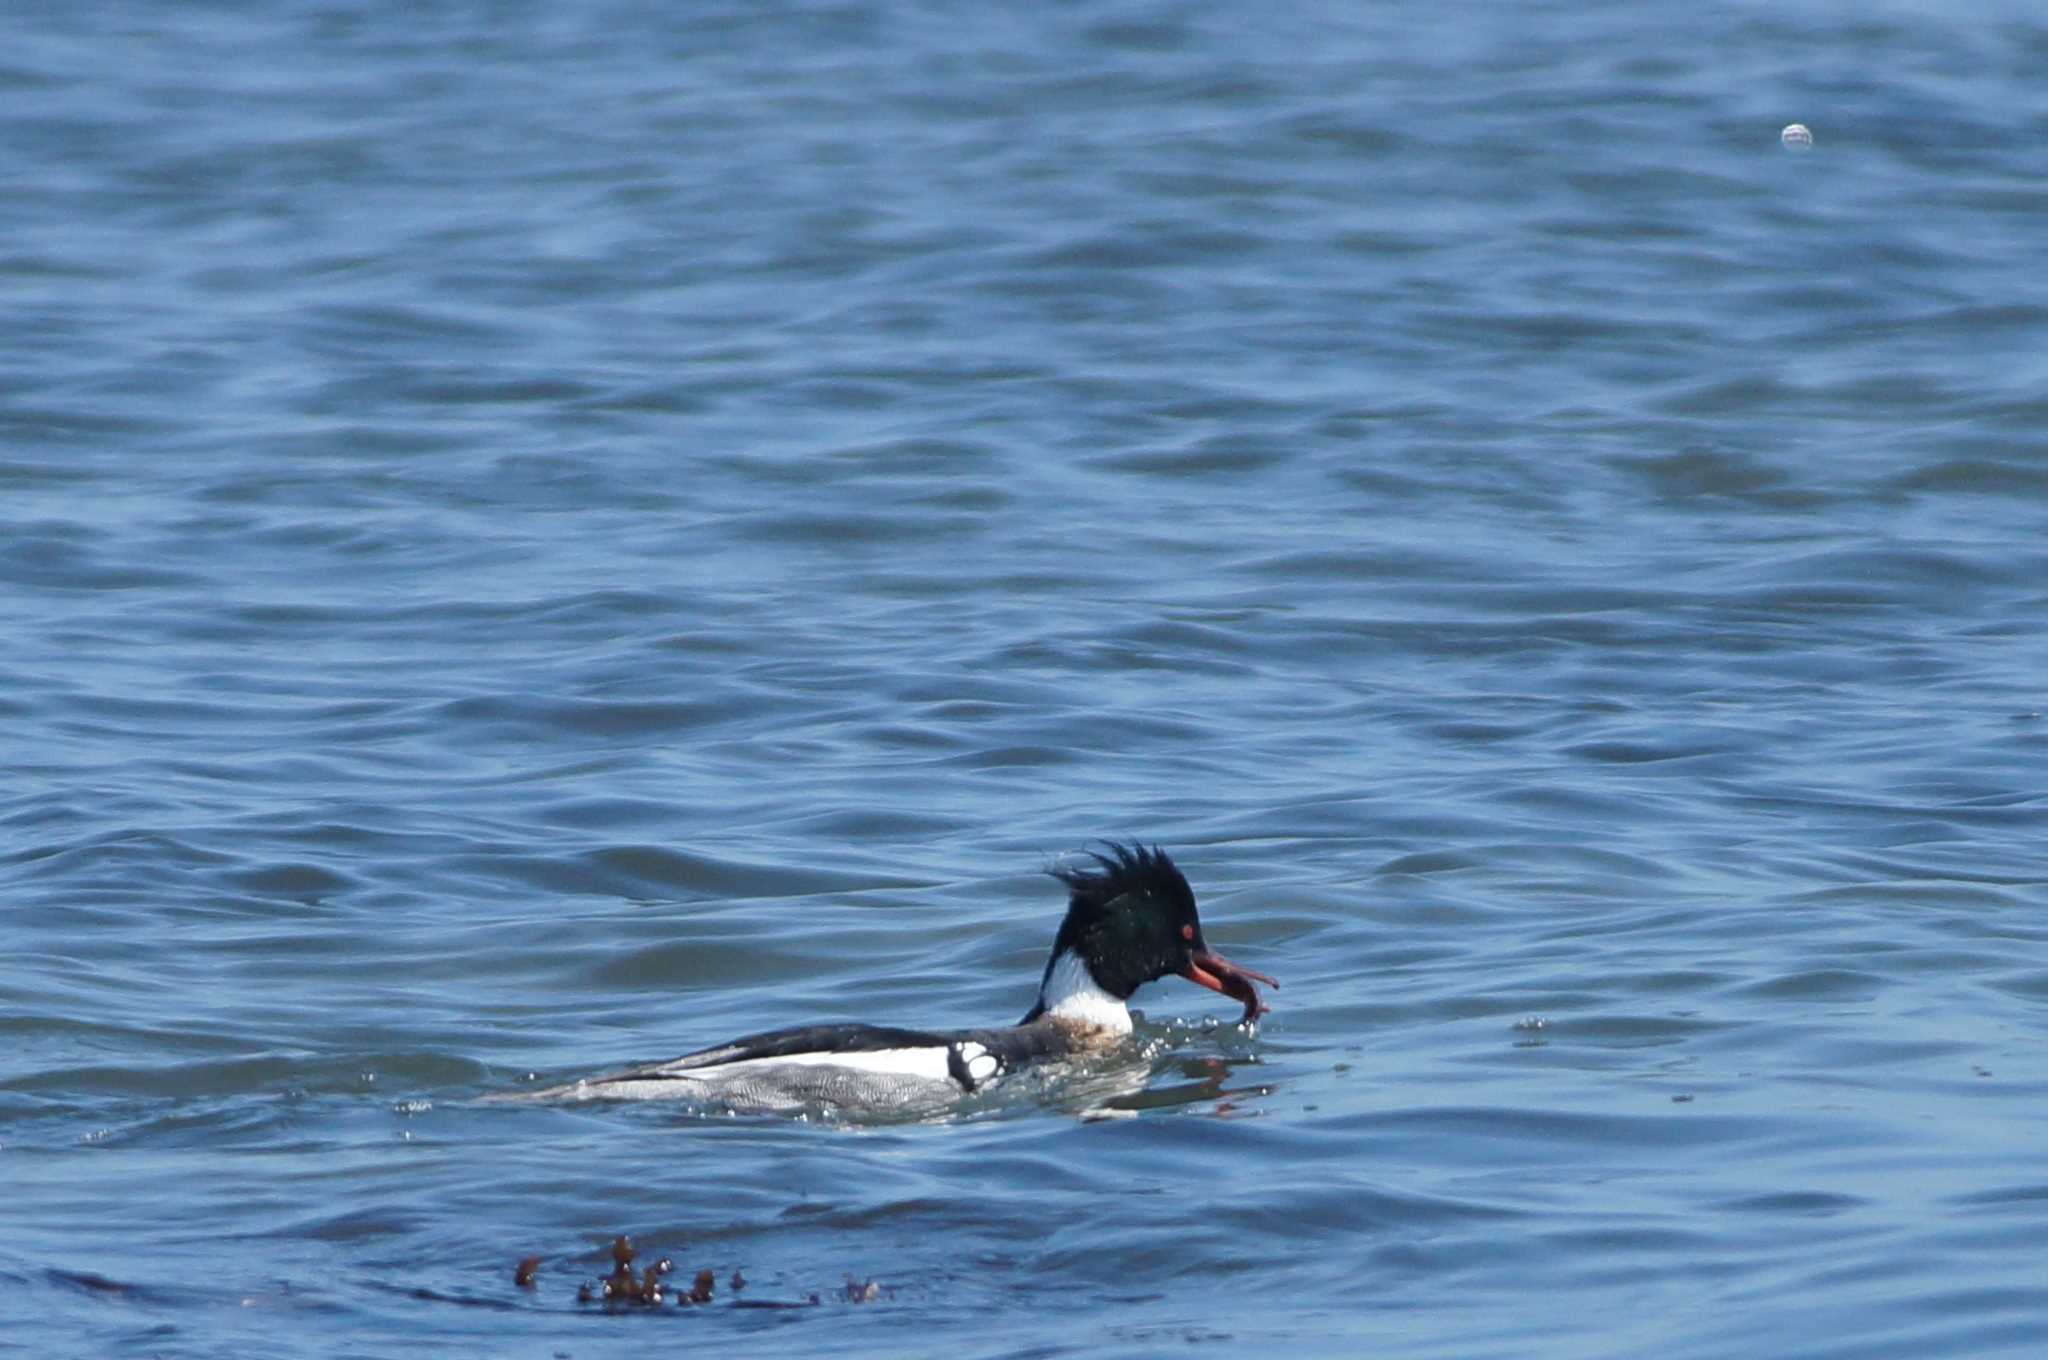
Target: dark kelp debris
[
  {"x": 622, "y": 1285},
  {"x": 645, "y": 1288}
]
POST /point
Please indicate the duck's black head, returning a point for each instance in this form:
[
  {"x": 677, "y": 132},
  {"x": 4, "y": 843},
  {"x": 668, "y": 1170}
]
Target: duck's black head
[{"x": 1131, "y": 919}]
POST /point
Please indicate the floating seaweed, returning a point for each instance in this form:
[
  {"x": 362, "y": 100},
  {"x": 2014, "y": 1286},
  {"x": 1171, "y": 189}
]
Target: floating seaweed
[
  {"x": 623, "y": 1286},
  {"x": 700, "y": 1288},
  {"x": 645, "y": 1288}
]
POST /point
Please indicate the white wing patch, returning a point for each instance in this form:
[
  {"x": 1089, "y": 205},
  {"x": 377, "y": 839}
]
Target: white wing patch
[
  {"x": 784, "y": 1082},
  {"x": 929, "y": 1063},
  {"x": 979, "y": 1062}
]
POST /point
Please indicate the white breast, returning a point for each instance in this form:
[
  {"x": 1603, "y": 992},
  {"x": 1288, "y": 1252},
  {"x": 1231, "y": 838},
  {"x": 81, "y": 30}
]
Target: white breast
[{"x": 1072, "y": 996}]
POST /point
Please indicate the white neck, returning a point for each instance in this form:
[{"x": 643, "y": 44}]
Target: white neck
[{"x": 1072, "y": 996}]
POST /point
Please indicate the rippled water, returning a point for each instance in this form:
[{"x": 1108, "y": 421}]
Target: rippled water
[{"x": 540, "y": 536}]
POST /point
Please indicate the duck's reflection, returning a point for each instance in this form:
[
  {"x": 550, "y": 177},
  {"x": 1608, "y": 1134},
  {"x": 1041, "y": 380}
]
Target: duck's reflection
[{"x": 1202, "y": 1080}]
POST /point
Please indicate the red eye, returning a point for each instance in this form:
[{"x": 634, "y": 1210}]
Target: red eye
[{"x": 1187, "y": 932}]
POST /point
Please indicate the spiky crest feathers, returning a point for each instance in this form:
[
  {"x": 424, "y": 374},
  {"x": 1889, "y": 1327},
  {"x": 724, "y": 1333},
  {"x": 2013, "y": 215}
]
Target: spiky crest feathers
[{"x": 1130, "y": 918}]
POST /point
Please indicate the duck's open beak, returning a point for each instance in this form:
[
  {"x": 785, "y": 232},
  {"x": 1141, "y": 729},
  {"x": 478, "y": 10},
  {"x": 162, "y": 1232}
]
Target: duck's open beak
[{"x": 1219, "y": 974}]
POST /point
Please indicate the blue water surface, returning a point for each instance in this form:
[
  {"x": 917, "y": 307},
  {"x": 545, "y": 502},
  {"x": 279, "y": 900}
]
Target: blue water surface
[{"x": 540, "y": 536}]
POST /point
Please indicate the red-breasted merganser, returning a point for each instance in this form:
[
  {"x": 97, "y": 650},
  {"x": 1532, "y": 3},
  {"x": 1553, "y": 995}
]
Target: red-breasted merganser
[{"x": 1130, "y": 919}]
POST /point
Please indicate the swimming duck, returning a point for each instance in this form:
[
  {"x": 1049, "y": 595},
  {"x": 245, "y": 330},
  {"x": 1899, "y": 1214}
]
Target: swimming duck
[{"x": 1130, "y": 919}]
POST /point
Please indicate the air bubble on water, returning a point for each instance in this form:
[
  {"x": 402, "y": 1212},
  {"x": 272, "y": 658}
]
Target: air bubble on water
[{"x": 1796, "y": 137}]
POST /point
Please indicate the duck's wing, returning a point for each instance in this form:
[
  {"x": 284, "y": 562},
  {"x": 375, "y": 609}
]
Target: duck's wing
[
  {"x": 852, "y": 1065},
  {"x": 836, "y": 1063},
  {"x": 814, "y": 1043}
]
